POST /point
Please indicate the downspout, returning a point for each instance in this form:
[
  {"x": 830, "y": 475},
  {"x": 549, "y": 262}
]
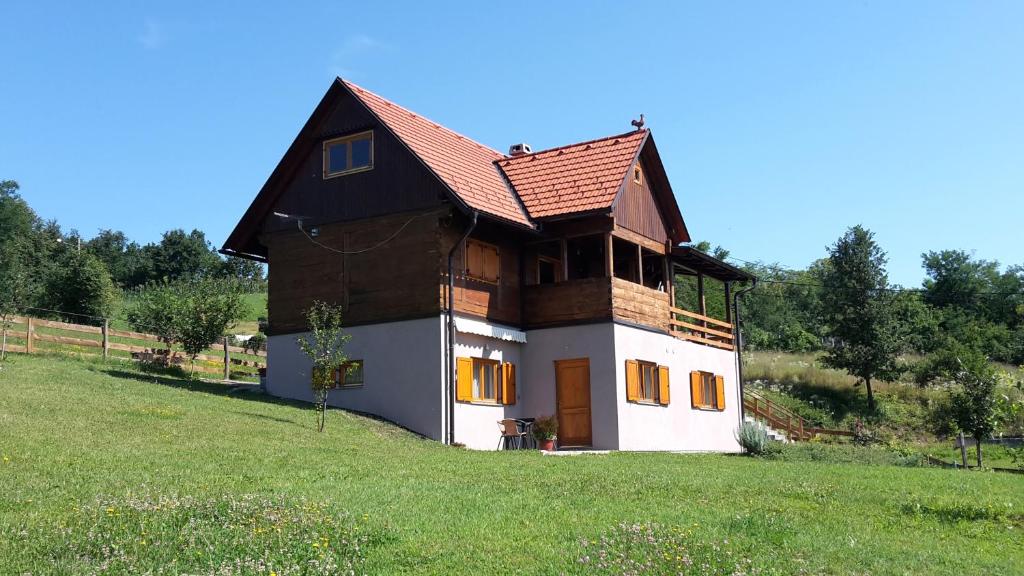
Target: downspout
[
  {"x": 450, "y": 384},
  {"x": 739, "y": 341}
]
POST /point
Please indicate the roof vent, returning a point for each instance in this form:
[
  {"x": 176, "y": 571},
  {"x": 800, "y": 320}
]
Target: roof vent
[{"x": 519, "y": 149}]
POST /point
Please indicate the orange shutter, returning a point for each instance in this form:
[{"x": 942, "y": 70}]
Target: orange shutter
[
  {"x": 474, "y": 257},
  {"x": 491, "y": 263},
  {"x": 720, "y": 392},
  {"x": 695, "y": 389},
  {"x": 632, "y": 380},
  {"x": 663, "y": 393},
  {"x": 508, "y": 383},
  {"x": 464, "y": 379}
]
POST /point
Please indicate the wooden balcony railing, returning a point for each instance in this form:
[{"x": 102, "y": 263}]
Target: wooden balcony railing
[
  {"x": 703, "y": 329},
  {"x": 795, "y": 427}
]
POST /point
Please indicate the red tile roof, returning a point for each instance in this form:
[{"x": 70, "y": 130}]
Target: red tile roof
[
  {"x": 575, "y": 178},
  {"x": 468, "y": 168}
]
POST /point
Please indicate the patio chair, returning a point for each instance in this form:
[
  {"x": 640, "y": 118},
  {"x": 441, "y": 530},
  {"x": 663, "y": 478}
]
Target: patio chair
[{"x": 510, "y": 434}]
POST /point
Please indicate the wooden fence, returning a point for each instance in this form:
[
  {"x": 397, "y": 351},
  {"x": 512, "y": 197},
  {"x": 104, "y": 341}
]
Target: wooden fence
[{"x": 29, "y": 335}]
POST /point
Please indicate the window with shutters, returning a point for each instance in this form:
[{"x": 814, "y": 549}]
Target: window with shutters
[
  {"x": 348, "y": 154},
  {"x": 485, "y": 380},
  {"x": 646, "y": 382},
  {"x": 482, "y": 261},
  {"x": 349, "y": 374},
  {"x": 707, "y": 390}
]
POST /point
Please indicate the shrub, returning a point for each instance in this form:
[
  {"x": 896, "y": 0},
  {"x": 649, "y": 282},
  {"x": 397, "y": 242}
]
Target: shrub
[
  {"x": 752, "y": 438},
  {"x": 545, "y": 428}
]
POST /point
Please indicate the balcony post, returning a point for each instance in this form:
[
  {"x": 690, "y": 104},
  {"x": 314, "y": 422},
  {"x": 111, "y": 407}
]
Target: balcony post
[
  {"x": 609, "y": 256},
  {"x": 565, "y": 259},
  {"x": 639, "y": 265},
  {"x": 701, "y": 304}
]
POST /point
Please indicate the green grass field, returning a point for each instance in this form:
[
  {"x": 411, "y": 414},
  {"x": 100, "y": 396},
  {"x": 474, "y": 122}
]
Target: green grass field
[{"x": 106, "y": 469}]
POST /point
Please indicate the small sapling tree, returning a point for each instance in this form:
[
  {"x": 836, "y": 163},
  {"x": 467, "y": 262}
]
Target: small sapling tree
[
  {"x": 325, "y": 346},
  {"x": 207, "y": 308},
  {"x": 154, "y": 308},
  {"x": 192, "y": 312},
  {"x": 975, "y": 405}
]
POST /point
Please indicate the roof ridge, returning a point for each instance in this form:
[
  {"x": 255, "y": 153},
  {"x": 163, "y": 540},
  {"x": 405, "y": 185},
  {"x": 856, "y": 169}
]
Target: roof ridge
[
  {"x": 359, "y": 88},
  {"x": 583, "y": 143}
]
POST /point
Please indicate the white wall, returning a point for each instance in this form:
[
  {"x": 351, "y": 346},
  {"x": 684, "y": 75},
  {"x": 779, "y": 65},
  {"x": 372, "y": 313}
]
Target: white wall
[
  {"x": 677, "y": 426},
  {"x": 476, "y": 424},
  {"x": 402, "y": 373},
  {"x": 593, "y": 341}
]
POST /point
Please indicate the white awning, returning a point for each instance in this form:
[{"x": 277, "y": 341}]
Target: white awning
[{"x": 481, "y": 328}]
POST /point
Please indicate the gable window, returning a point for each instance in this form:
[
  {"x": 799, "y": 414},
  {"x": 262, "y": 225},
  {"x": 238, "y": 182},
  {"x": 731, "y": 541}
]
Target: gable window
[
  {"x": 707, "y": 390},
  {"x": 482, "y": 261},
  {"x": 348, "y": 154},
  {"x": 638, "y": 175},
  {"x": 349, "y": 374},
  {"x": 647, "y": 383},
  {"x": 486, "y": 381}
]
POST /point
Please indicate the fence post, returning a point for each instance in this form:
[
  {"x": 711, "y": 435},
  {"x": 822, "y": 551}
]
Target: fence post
[
  {"x": 106, "y": 338},
  {"x": 962, "y": 442},
  {"x": 227, "y": 360},
  {"x": 30, "y": 333}
]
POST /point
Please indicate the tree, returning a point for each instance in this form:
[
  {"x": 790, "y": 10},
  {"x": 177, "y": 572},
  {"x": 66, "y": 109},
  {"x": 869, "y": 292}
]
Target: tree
[
  {"x": 16, "y": 288},
  {"x": 81, "y": 285},
  {"x": 207, "y": 308},
  {"x": 154, "y": 309},
  {"x": 325, "y": 346},
  {"x": 181, "y": 255},
  {"x": 858, "y": 311},
  {"x": 194, "y": 313},
  {"x": 975, "y": 402},
  {"x": 123, "y": 258}
]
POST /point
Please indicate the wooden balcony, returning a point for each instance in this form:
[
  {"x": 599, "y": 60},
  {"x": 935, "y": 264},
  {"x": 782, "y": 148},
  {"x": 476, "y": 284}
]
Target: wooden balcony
[{"x": 701, "y": 329}]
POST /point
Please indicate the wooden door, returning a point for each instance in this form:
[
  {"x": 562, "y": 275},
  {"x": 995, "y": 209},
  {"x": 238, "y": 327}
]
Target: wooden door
[{"x": 572, "y": 389}]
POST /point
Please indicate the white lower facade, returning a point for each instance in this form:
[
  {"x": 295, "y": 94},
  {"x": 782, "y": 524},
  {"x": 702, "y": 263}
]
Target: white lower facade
[{"x": 404, "y": 365}]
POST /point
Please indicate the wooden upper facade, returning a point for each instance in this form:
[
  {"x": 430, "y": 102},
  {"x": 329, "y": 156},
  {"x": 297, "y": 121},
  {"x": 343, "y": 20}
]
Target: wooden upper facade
[{"x": 582, "y": 233}]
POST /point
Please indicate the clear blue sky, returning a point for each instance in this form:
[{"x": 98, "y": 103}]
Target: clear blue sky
[{"x": 781, "y": 124}]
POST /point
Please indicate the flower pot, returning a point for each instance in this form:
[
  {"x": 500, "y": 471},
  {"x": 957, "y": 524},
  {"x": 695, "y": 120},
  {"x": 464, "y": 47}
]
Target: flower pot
[{"x": 546, "y": 444}]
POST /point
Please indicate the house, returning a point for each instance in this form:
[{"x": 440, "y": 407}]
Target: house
[{"x": 478, "y": 285}]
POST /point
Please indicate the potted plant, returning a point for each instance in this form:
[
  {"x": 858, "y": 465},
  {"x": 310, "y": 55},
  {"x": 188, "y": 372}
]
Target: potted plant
[{"x": 545, "y": 430}]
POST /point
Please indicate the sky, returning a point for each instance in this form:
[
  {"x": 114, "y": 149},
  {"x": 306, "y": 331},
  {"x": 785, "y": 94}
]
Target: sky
[{"x": 780, "y": 124}]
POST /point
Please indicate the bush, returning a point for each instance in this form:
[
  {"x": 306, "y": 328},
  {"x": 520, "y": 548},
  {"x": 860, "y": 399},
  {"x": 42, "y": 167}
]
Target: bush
[
  {"x": 545, "y": 428},
  {"x": 752, "y": 438}
]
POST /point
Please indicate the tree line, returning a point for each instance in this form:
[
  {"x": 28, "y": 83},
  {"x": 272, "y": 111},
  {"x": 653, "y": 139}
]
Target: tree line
[
  {"x": 46, "y": 268},
  {"x": 963, "y": 302}
]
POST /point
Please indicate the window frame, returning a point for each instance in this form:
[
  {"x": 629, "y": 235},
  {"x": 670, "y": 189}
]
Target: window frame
[
  {"x": 348, "y": 139},
  {"x": 480, "y": 277},
  {"x": 710, "y": 401},
  {"x": 638, "y": 174},
  {"x": 557, "y": 263},
  {"x": 339, "y": 377},
  {"x": 644, "y": 368},
  {"x": 479, "y": 367}
]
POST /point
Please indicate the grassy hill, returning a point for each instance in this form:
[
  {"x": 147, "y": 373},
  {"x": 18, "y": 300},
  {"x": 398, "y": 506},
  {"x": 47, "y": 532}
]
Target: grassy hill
[{"x": 106, "y": 466}]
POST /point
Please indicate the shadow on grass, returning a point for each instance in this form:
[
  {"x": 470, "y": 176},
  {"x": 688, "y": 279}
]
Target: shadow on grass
[{"x": 184, "y": 383}]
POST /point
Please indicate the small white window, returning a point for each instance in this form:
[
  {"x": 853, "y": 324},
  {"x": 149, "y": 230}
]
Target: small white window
[{"x": 348, "y": 154}]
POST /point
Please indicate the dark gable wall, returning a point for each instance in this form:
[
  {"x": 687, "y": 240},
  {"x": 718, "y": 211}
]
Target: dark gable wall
[
  {"x": 398, "y": 280},
  {"x": 398, "y": 182},
  {"x": 637, "y": 210}
]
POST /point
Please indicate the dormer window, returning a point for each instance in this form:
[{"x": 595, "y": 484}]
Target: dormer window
[
  {"x": 348, "y": 154},
  {"x": 638, "y": 176}
]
